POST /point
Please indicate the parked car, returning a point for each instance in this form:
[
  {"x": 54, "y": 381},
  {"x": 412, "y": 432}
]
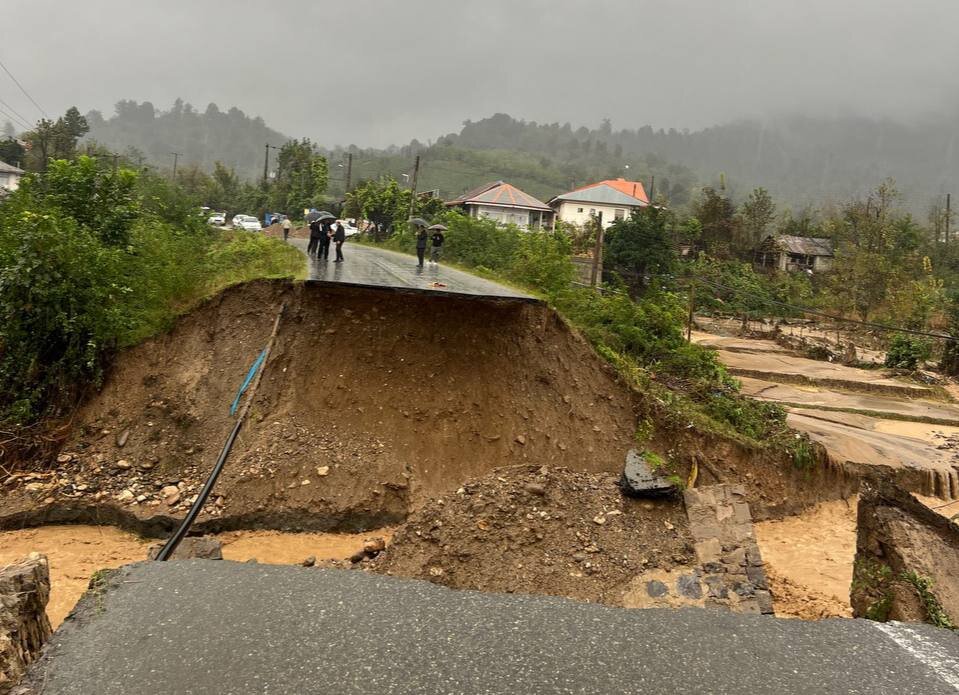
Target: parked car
[
  {"x": 247, "y": 223},
  {"x": 217, "y": 219},
  {"x": 348, "y": 228}
]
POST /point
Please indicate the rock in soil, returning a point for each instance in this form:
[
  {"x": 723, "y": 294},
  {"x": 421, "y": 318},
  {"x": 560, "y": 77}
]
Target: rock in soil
[{"x": 498, "y": 533}]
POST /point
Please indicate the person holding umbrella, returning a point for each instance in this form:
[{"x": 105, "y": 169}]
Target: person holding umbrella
[
  {"x": 339, "y": 236},
  {"x": 313, "y": 219},
  {"x": 437, "y": 238},
  {"x": 421, "y": 238}
]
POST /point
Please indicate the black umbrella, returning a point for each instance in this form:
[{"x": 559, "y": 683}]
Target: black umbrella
[
  {"x": 437, "y": 228},
  {"x": 320, "y": 215},
  {"x": 418, "y": 222}
]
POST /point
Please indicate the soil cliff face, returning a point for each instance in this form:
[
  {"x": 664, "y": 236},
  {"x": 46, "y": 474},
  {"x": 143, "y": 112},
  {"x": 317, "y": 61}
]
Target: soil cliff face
[
  {"x": 370, "y": 403},
  {"x": 907, "y": 559}
]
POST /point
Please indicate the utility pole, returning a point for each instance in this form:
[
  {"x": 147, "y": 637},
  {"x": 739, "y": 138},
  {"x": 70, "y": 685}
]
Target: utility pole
[
  {"x": 349, "y": 171},
  {"x": 652, "y": 187},
  {"x": 416, "y": 171},
  {"x": 948, "y": 214},
  {"x": 596, "y": 275},
  {"x": 266, "y": 162},
  {"x": 692, "y": 306},
  {"x": 176, "y": 157}
]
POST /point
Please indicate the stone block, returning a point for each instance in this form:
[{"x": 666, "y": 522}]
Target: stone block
[
  {"x": 688, "y": 585},
  {"x": 24, "y": 626},
  {"x": 709, "y": 550},
  {"x": 639, "y": 480}
]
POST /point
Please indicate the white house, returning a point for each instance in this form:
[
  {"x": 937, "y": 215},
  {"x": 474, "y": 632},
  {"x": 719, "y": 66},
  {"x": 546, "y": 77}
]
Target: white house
[
  {"x": 608, "y": 201},
  {"x": 9, "y": 177},
  {"x": 506, "y": 204}
]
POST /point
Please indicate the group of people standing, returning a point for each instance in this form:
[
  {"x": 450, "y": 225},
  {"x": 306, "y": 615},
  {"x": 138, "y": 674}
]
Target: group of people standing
[
  {"x": 322, "y": 234},
  {"x": 429, "y": 236}
]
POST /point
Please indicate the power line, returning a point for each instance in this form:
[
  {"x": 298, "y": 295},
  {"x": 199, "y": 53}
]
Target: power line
[
  {"x": 23, "y": 121},
  {"x": 13, "y": 119},
  {"x": 814, "y": 312},
  {"x": 22, "y": 89}
]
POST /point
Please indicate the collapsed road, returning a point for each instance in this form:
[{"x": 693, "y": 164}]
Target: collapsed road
[{"x": 202, "y": 627}]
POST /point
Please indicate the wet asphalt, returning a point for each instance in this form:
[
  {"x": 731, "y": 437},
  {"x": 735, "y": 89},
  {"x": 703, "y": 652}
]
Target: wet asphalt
[
  {"x": 367, "y": 266},
  {"x": 203, "y": 626}
]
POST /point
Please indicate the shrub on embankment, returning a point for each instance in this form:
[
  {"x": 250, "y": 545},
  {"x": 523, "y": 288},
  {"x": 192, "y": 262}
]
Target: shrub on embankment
[
  {"x": 92, "y": 260},
  {"x": 642, "y": 336}
]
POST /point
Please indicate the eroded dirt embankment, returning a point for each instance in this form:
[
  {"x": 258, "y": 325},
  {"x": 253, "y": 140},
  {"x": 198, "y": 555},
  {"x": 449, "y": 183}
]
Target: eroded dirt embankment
[
  {"x": 370, "y": 403},
  {"x": 378, "y": 407}
]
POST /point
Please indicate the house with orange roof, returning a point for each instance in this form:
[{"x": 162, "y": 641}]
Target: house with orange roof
[
  {"x": 505, "y": 204},
  {"x": 608, "y": 201}
]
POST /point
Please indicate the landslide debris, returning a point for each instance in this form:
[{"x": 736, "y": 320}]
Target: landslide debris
[
  {"x": 544, "y": 530},
  {"x": 371, "y": 402}
]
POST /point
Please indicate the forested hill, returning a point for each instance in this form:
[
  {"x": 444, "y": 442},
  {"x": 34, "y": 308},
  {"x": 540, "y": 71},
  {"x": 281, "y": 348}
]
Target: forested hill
[
  {"x": 202, "y": 138},
  {"x": 798, "y": 159}
]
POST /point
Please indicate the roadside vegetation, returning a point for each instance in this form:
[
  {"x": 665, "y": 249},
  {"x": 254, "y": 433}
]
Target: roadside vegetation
[{"x": 93, "y": 259}]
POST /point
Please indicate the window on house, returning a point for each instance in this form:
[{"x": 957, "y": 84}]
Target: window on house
[
  {"x": 592, "y": 211},
  {"x": 619, "y": 214},
  {"x": 579, "y": 209}
]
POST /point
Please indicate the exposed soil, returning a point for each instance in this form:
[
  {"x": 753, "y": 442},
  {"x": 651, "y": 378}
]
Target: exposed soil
[
  {"x": 809, "y": 560},
  {"x": 371, "y": 402},
  {"x": 532, "y": 529},
  {"x": 75, "y": 553},
  {"x": 374, "y": 409}
]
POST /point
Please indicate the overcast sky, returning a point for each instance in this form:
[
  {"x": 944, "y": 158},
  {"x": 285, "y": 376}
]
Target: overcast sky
[{"x": 373, "y": 72}]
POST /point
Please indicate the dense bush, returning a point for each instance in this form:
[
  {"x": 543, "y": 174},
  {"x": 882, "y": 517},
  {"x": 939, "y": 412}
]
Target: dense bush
[
  {"x": 907, "y": 351},
  {"x": 92, "y": 260}
]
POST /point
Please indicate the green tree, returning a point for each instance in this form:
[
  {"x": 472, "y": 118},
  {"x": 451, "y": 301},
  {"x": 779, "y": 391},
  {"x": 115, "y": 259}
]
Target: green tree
[
  {"x": 717, "y": 216},
  {"x": 301, "y": 178},
  {"x": 640, "y": 246},
  {"x": 380, "y": 201},
  {"x": 102, "y": 201},
  {"x": 756, "y": 215},
  {"x": 224, "y": 189}
]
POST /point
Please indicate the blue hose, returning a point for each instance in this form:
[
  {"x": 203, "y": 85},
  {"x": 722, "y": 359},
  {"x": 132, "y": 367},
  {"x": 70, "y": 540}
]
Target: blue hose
[{"x": 246, "y": 383}]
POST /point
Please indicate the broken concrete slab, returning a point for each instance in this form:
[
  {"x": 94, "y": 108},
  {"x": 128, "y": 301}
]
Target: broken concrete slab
[
  {"x": 24, "y": 626},
  {"x": 639, "y": 479}
]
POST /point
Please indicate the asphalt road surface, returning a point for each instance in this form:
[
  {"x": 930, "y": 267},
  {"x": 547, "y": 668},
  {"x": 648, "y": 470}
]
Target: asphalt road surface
[
  {"x": 373, "y": 267},
  {"x": 203, "y": 626}
]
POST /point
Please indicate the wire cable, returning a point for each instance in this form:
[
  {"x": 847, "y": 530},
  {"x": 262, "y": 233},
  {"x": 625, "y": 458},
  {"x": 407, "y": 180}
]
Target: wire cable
[
  {"x": 814, "y": 312},
  {"x": 16, "y": 115},
  {"x": 22, "y": 89}
]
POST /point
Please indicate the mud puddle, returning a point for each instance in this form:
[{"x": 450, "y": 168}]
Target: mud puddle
[
  {"x": 809, "y": 560},
  {"x": 75, "y": 553}
]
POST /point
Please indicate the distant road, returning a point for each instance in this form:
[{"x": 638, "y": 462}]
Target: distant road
[
  {"x": 374, "y": 267},
  {"x": 207, "y": 626}
]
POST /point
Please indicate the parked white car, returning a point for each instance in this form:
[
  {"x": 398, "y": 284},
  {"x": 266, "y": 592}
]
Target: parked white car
[
  {"x": 217, "y": 219},
  {"x": 348, "y": 228},
  {"x": 247, "y": 223}
]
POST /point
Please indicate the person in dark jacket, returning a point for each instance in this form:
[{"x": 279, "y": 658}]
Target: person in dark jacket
[
  {"x": 325, "y": 234},
  {"x": 421, "y": 238},
  {"x": 437, "y": 238},
  {"x": 339, "y": 236},
  {"x": 315, "y": 231}
]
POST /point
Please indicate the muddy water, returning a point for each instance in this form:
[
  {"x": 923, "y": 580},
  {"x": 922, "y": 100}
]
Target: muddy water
[
  {"x": 76, "y": 552},
  {"x": 809, "y": 559}
]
